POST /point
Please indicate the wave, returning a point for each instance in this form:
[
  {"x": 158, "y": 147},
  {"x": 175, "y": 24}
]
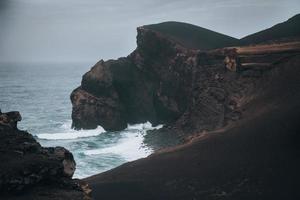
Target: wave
[
  {"x": 144, "y": 126},
  {"x": 67, "y": 133},
  {"x": 130, "y": 147}
]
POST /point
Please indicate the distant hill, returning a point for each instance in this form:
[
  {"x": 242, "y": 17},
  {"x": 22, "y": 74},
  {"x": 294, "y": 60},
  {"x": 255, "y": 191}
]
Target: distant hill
[
  {"x": 196, "y": 37},
  {"x": 192, "y": 36},
  {"x": 287, "y": 29}
]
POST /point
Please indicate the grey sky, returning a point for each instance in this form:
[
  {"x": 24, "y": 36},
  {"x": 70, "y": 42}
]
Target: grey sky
[{"x": 88, "y": 30}]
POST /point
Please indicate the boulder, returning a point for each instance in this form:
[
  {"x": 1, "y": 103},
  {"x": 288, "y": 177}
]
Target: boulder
[{"x": 27, "y": 168}]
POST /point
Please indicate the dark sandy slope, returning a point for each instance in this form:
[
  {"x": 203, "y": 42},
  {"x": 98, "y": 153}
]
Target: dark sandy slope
[
  {"x": 256, "y": 158},
  {"x": 193, "y": 37},
  {"x": 282, "y": 31}
]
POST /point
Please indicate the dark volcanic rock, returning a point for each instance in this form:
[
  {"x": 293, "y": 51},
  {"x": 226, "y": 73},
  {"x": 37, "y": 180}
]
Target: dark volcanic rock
[
  {"x": 248, "y": 96},
  {"x": 10, "y": 119},
  {"x": 150, "y": 84},
  {"x": 164, "y": 82},
  {"x": 254, "y": 158},
  {"x": 26, "y": 165}
]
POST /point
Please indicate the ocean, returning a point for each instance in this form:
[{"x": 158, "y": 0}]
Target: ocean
[{"x": 41, "y": 93}]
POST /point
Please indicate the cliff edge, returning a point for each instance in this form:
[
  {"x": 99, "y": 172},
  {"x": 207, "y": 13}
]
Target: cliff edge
[
  {"x": 257, "y": 157},
  {"x": 237, "y": 108},
  {"x": 165, "y": 82}
]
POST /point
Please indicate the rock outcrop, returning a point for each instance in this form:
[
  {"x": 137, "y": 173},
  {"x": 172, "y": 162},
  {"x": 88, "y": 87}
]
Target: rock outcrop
[
  {"x": 153, "y": 83},
  {"x": 256, "y": 157},
  {"x": 166, "y": 83},
  {"x": 238, "y": 108},
  {"x": 30, "y": 171}
]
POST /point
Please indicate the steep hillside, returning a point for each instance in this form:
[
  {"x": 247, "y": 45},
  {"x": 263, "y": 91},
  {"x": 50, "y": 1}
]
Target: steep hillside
[
  {"x": 286, "y": 30},
  {"x": 192, "y": 36},
  {"x": 238, "y": 108},
  {"x": 166, "y": 83},
  {"x": 255, "y": 158}
]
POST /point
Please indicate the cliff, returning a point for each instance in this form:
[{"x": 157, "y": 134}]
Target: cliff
[
  {"x": 257, "y": 157},
  {"x": 165, "y": 82},
  {"x": 150, "y": 84},
  {"x": 30, "y": 171},
  {"x": 155, "y": 83},
  {"x": 236, "y": 107}
]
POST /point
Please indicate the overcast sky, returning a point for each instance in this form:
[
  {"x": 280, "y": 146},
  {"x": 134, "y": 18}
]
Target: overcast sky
[{"x": 88, "y": 30}]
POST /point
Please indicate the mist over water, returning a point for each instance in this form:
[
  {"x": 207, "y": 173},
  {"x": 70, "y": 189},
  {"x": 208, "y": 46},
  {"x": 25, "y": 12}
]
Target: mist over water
[{"x": 41, "y": 93}]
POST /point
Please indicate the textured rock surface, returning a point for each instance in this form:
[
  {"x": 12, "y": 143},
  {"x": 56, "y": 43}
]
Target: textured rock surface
[
  {"x": 256, "y": 157},
  {"x": 161, "y": 81},
  {"x": 30, "y": 171},
  {"x": 10, "y": 119},
  {"x": 143, "y": 86},
  {"x": 249, "y": 97}
]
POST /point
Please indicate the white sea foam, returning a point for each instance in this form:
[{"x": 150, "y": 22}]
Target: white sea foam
[
  {"x": 145, "y": 126},
  {"x": 67, "y": 133},
  {"x": 130, "y": 147}
]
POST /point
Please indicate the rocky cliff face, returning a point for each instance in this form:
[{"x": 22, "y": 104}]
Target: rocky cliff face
[
  {"x": 161, "y": 81},
  {"x": 255, "y": 158},
  {"x": 153, "y": 83},
  {"x": 28, "y": 170}
]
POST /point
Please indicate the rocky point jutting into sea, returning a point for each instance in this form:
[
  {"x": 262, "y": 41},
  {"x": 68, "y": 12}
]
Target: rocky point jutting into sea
[
  {"x": 170, "y": 80},
  {"x": 236, "y": 105}
]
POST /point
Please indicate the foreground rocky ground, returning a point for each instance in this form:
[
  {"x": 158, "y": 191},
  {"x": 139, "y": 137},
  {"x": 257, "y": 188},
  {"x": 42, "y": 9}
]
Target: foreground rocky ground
[{"x": 30, "y": 171}]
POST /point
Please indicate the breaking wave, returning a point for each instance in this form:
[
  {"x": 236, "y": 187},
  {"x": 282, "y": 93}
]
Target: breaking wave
[
  {"x": 95, "y": 152},
  {"x": 130, "y": 147},
  {"x": 67, "y": 133}
]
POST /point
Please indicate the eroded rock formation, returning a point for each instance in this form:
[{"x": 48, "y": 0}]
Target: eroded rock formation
[
  {"x": 153, "y": 83},
  {"x": 256, "y": 157},
  {"x": 29, "y": 169},
  {"x": 163, "y": 82},
  {"x": 248, "y": 96}
]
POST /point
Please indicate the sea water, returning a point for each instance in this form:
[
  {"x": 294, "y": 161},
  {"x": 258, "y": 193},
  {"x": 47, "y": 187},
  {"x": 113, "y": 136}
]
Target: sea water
[{"x": 41, "y": 92}]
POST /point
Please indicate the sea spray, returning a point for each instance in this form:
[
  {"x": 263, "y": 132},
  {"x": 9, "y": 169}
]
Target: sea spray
[
  {"x": 96, "y": 150},
  {"x": 69, "y": 134}
]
